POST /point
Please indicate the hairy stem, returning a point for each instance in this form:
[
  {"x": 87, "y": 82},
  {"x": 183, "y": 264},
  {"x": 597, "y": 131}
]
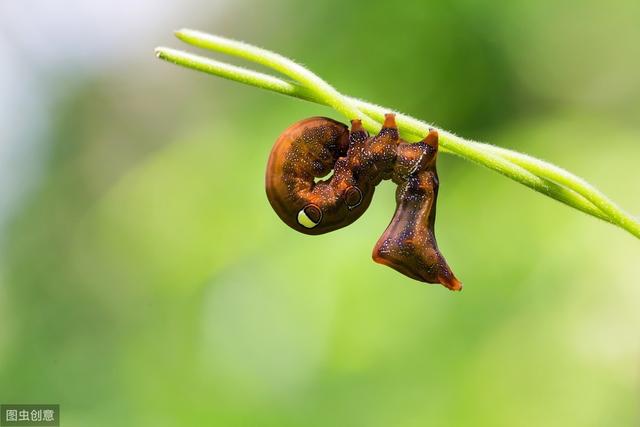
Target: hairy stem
[
  {"x": 324, "y": 91},
  {"x": 541, "y": 176}
]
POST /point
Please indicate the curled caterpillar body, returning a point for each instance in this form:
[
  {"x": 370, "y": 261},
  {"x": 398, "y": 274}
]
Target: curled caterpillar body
[{"x": 311, "y": 148}]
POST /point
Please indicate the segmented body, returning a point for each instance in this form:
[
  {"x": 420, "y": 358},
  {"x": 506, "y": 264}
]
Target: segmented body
[{"x": 311, "y": 148}]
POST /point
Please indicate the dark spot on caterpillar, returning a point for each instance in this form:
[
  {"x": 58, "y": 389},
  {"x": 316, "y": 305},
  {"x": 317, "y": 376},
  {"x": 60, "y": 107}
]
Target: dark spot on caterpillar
[
  {"x": 313, "y": 213},
  {"x": 352, "y": 197},
  {"x": 310, "y": 148}
]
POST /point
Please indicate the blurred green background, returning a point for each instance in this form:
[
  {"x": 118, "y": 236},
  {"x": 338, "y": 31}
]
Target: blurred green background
[{"x": 145, "y": 280}]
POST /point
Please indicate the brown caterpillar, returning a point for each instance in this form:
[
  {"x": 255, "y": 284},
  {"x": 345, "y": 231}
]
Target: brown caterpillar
[{"x": 311, "y": 148}]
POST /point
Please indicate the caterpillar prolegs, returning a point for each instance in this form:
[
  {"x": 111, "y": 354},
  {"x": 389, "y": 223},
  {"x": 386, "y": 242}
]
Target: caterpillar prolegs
[{"x": 311, "y": 148}]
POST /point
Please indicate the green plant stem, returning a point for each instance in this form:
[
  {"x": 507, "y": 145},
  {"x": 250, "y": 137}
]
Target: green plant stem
[
  {"x": 541, "y": 176},
  {"x": 324, "y": 91},
  {"x": 449, "y": 142},
  {"x": 409, "y": 126}
]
